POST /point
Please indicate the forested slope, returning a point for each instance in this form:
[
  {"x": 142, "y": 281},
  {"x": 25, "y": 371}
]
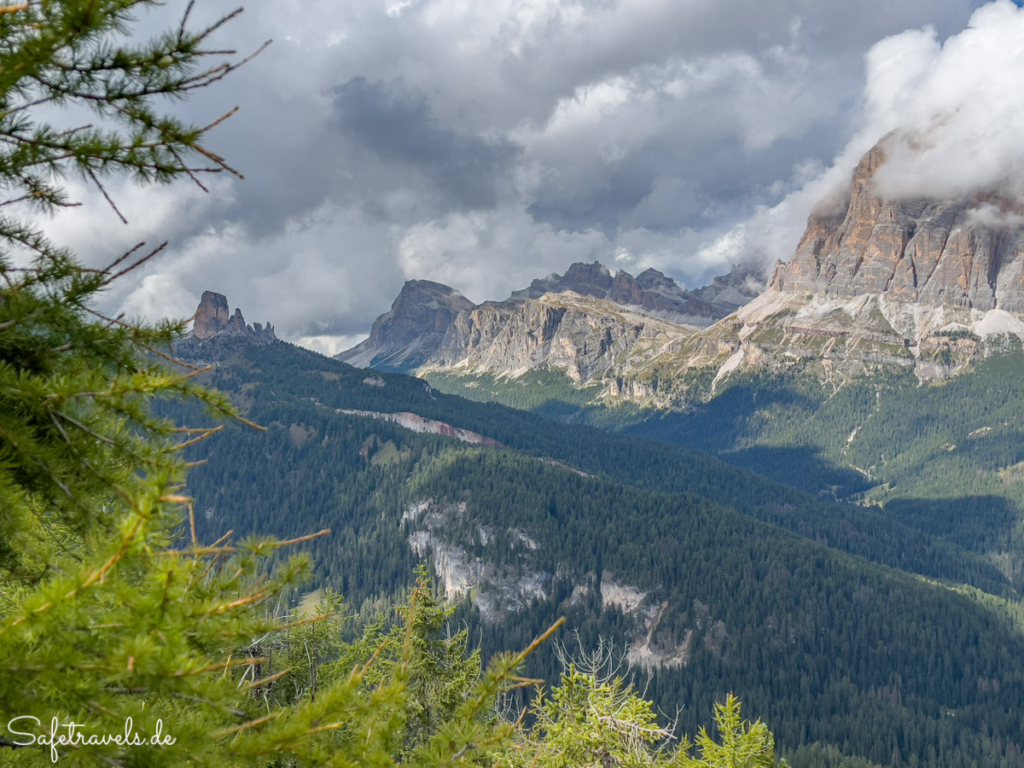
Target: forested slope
[
  {"x": 945, "y": 457},
  {"x": 684, "y": 559},
  {"x": 267, "y": 378}
]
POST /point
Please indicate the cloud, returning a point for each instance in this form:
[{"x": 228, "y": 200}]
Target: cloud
[
  {"x": 994, "y": 217},
  {"x": 399, "y": 128},
  {"x": 320, "y": 276},
  {"x": 958, "y": 105},
  {"x": 957, "y": 112},
  {"x": 490, "y": 254},
  {"x": 484, "y": 144}
]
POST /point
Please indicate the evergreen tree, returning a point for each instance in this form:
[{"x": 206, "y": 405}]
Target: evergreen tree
[
  {"x": 596, "y": 717},
  {"x": 107, "y": 614}
]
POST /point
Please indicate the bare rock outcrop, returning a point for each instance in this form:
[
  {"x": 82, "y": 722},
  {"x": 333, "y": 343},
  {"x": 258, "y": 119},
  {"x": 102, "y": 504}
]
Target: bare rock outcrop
[
  {"x": 408, "y": 335},
  {"x": 212, "y": 319},
  {"x": 582, "y": 336},
  {"x": 212, "y": 316},
  {"x": 965, "y": 253}
]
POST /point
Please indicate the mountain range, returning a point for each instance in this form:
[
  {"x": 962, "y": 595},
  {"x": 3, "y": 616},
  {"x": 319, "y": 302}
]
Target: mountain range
[
  {"x": 921, "y": 284},
  {"x": 431, "y": 325},
  {"x": 888, "y": 637}
]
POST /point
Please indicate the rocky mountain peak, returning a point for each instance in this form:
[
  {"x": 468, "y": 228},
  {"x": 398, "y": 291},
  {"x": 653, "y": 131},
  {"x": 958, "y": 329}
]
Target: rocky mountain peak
[
  {"x": 585, "y": 279},
  {"x": 743, "y": 283},
  {"x": 966, "y": 253},
  {"x": 651, "y": 292},
  {"x": 419, "y": 295},
  {"x": 212, "y": 318},
  {"x": 413, "y": 330},
  {"x": 651, "y": 279}
]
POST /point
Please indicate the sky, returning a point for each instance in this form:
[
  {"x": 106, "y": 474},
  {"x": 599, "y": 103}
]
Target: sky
[{"x": 484, "y": 143}]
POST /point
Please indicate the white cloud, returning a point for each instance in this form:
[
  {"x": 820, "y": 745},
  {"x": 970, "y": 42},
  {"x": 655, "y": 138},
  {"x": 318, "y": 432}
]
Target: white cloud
[
  {"x": 958, "y": 110},
  {"x": 960, "y": 106},
  {"x": 994, "y": 217},
  {"x": 155, "y": 214},
  {"x": 327, "y": 344},
  {"x": 294, "y": 280},
  {"x": 487, "y": 255}
]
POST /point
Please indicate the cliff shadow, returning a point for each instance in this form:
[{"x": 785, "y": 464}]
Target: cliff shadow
[
  {"x": 981, "y": 523},
  {"x": 802, "y": 467}
]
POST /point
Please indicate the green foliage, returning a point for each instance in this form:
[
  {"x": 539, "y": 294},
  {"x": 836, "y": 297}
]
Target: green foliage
[
  {"x": 77, "y": 53},
  {"x": 825, "y": 756},
  {"x": 547, "y": 392},
  {"x": 403, "y": 692},
  {"x": 595, "y": 717},
  {"x": 743, "y": 744},
  {"x": 587, "y": 720},
  {"x": 440, "y": 669}
]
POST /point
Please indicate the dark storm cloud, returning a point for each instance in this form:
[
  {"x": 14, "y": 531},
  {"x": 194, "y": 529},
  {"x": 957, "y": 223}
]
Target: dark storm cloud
[
  {"x": 656, "y": 188},
  {"x": 399, "y": 127}
]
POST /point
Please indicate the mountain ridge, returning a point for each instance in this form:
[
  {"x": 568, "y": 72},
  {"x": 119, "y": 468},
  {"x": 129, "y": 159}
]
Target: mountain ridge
[
  {"x": 417, "y": 330},
  {"x": 922, "y": 284},
  {"x": 411, "y": 331}
]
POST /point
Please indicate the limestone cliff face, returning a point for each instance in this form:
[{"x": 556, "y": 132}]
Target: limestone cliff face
[
  {"x": 965, "y": 253},
  {"x": 916, "y": 283},
  {"x": 581, "y": 336},
  {"x": 411, "y": 332},
  {"x": 653, "y": 293},
  {"x": 599, "y": 323},
  {"x": 212, "y": 319}
]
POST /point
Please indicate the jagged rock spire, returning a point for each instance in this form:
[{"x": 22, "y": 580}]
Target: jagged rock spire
[{"x": 212, "y": 318}]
